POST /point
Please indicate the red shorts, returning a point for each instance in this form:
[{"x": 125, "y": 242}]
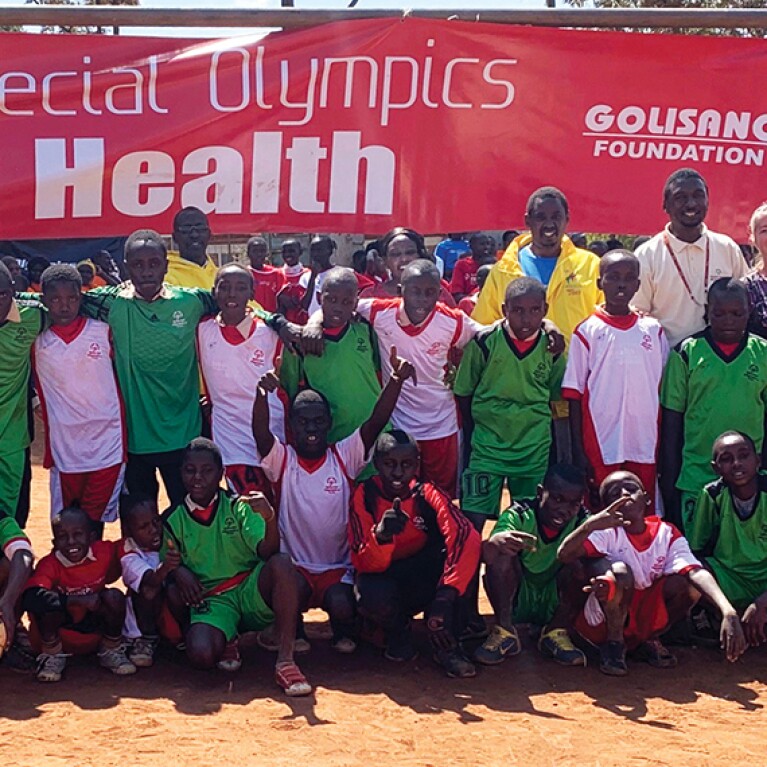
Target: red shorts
[
  {"x": 645, "y": 471},
  {"x": 244, "y": 479},
  {"x": 321, "y": 582},
  {"x": 647, "y": 618},
  {"x": 439, "y": 462},
  {"x": 96, "y": 492}
]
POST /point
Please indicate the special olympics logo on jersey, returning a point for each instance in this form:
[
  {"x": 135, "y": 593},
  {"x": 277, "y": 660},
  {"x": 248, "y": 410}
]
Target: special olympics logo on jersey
[
  {"x": 94, "y": 351},
  {"x": 258, "y": 358},
  {"x": 434, "y": 349},
  {"x": 179, "y": 321},
  {"x": 646, "y": 342},
  {"x": 332, "y": 486}
]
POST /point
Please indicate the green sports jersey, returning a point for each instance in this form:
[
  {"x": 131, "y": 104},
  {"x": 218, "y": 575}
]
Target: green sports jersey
[
  {"x": 540, "y": 566},
  {"x": 346, "y": 373},
  {"x": 511, "y": 392},
  {"x": 156, "y": 361},
  {"x": 10, "y": 531},
  {"x": 736, "y": 548},
  {"x": 222, "y": 548},
  {"x": 16, "y": 340},
  {"x": 716, "y": 394}
]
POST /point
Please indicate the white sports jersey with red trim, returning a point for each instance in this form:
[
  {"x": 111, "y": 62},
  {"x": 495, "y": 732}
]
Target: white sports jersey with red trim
[
  {"x": 231, "y": 372},
  {"x": 314, "y": 501},
  {"x": 663, "y": 550},
  {"x": 425, "y": 410},
  {"x": 619, "y": 369},
  {"x": 82, "y": 408}
]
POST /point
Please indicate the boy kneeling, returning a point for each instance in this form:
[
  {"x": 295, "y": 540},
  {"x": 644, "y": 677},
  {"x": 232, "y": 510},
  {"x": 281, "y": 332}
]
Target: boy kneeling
[
  {"x": 523, "y": 577},
  {"x": 232, "y": 577},
  {"x": 71, "y": 608},
  {"x": 643, "y": 578},
  {"x": 413, "y": 551}
]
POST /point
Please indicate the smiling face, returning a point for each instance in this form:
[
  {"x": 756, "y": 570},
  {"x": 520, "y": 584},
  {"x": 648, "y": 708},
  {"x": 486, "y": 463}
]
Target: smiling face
[
  {"x": 320, "y": 253},
  {"x": 146, "y": 264},
  {"x": 400, "y": 252},
  {"x": 482, "y": 248},
  {"x": 559, "y": 502},
  {"x": 547, "y": 222},
  {"x": 72, "y": 536},
  {"x": 145, "y": 527},
  {"x": 310, "y": 423},
  {"x": 420, "y": 293},
  {"x": 728, "y": 316},
  {"x": 397, "y": 466},
  {"x": 192, "y": 235},
  {"x": 258, "y": 252},
  {"x": 338, "y": 300},
  {"x": 232, "y": 290},
  {"x": 618, "y": 280},
  {"x": 758, "y": 232},
  {"x": 525, "y": 314},
  {"x": 201, "y": 475},
  {"x": 686, "y": 203},
  {"x": 736, "y": 462},
  {"x": 291, "y": 252},
  {"x": 62, "y": 300}
]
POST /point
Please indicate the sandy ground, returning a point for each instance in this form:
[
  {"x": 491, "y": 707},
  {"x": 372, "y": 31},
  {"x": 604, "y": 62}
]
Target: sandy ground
[{"x": 366, "y": 711}]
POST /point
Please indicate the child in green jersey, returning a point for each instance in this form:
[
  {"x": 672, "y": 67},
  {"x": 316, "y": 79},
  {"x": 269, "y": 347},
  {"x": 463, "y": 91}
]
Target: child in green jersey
[
  {"x": 714, "y": 381},
  {"x": 729, "y": 530},
  {"x": 505, "y": 382},
  {"x": 20, "y": 323},
  {"x": 347, "y": 372},
  {"x": 232, "y": 577},
  {"x": 523, "y": 577}
]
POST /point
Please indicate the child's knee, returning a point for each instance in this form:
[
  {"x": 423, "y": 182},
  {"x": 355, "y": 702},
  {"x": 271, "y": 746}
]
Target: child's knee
[
  {"x": 203, "y": 647},
  {"x": 112, "y": 601},
  {"x": 339, "y": 602},
  {"x": 676, "y": 588},
  {"x": 377, "y": 599}
]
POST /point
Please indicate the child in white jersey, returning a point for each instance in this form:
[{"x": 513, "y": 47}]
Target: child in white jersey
[
  {"x": 612, "y": 380},
  {"x": 639, "y": 572},
  {"x": 85, "y": 431},
  {"x": 313, "y": 482},
  {"x": 236, "y": 349}
]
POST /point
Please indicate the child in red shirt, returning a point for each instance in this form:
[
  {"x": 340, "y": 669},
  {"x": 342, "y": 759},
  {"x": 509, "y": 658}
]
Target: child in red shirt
[
  {"x": 464, "y": 280},
  {"x": 268, "y": 280},
  {"x": 70, "y": 605}
]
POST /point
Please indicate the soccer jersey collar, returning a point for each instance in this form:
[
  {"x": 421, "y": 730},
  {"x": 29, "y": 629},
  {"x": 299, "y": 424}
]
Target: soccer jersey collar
[
  {"x": 129, "y": 291},
  {"x": 202, "y": 514},
  {"x": 90, "y": 556},
  {"x": 407, "y": 326},
  {"x": 726, "y": 358},
  {"x": 246, "y": 328},
  {"x": 620, "y": 322},
  {"x": 520, "y": 352}
]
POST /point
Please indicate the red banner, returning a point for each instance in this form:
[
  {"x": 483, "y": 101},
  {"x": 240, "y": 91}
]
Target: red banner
[{"x": 358, "y": 126}]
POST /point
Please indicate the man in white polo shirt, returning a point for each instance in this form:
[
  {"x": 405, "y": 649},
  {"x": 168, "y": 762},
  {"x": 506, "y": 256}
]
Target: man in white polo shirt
[{"x": 679, "y": 264}]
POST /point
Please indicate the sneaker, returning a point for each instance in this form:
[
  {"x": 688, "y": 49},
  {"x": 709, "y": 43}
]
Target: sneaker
[
  {"x": 142, "y": 650},
  {"x": 344, "y": 645},
  {"x": 657, "y": 654},
  {"x": 115, "y": 659},
  {"x": 230, "y": 661},
  {"x": 612, "y": 659},
  {"x": 20, "y": 656},
  {"x": 51, "y": 667},
  {"x": 455, "y": 663},
  {"x": 497, "y": 646},
  {"x": 557, "y": 644},
  {"x": 400, "y": 647},
  {"x": 289, "y": 677}
]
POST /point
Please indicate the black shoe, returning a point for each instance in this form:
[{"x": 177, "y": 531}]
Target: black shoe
[
  {"x": 455, "y": 663},
  {"x": 704, "y": 628},
  {"x": 400, "y": 647},
  {"x": 612, "y": 659}
]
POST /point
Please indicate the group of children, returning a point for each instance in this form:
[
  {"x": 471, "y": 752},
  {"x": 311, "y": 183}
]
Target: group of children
[{"x": 343, "y": 427}]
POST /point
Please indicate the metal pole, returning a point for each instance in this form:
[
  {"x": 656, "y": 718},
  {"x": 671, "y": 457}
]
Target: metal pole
[{"x": 93, "y": 16}]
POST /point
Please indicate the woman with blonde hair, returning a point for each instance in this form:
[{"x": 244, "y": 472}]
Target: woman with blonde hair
[{"x": 756, "y": 281}]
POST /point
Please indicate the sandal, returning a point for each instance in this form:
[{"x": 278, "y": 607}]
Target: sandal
[
  {"x": 289, "y": 677},
  {"x": 657, "y": 654},
  {"x": 612, "y": 659}
]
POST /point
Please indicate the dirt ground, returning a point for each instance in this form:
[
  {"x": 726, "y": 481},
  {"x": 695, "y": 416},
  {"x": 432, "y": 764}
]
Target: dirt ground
[{"x": 366, "y": 711}]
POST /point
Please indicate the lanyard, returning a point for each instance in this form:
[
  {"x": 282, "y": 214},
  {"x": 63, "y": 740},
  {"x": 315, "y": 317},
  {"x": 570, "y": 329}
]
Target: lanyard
[{"x": 681, "y": 274}]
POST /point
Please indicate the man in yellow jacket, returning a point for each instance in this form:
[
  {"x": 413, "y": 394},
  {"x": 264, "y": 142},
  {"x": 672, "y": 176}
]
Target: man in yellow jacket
[
  {"x": 191, "y": 266},
  {"x": 547, "y": 254}
]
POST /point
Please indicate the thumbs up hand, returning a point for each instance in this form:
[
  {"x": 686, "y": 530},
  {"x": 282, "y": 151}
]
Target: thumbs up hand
[{"x": 392, "y": 523}]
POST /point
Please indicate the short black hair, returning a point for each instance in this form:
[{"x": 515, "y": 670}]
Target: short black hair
[
  {"x": 522, "y": 286},
  {"x": 566, "y": 473},
  {"x": 476, "y": 236},
  {"x": 257, "y": 238},
  {"x": 309, "y": 395},
  {"x": 187, "y": 209},
  {"x": 60, "y": 273},
  {"x": 6, "y": 274},
  {"x": 38, "y": 260},
  {"x": 394, "y": 438},
  {"x": 129, "y": 503},
  {"x": 340, "y": 275},
  {"x": 727, "y": 286},
  {"x": 625, "y": 255},
  {"x": 733, "y": 433},
  {"x": 639, "y": 241},
  {"x": 71, "y": 511},
  {"x": 233, "y": 267},
  {"x": 145, "y": 237},
  {"x": 402, "y": 231},
  {"x": 323, "y": 239},
  {"x": 547, "y": 193},
  {"x": 681, "y": 174},
  {"x": 204, "y": 445},
  {"x": 421, "y": 267}
]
